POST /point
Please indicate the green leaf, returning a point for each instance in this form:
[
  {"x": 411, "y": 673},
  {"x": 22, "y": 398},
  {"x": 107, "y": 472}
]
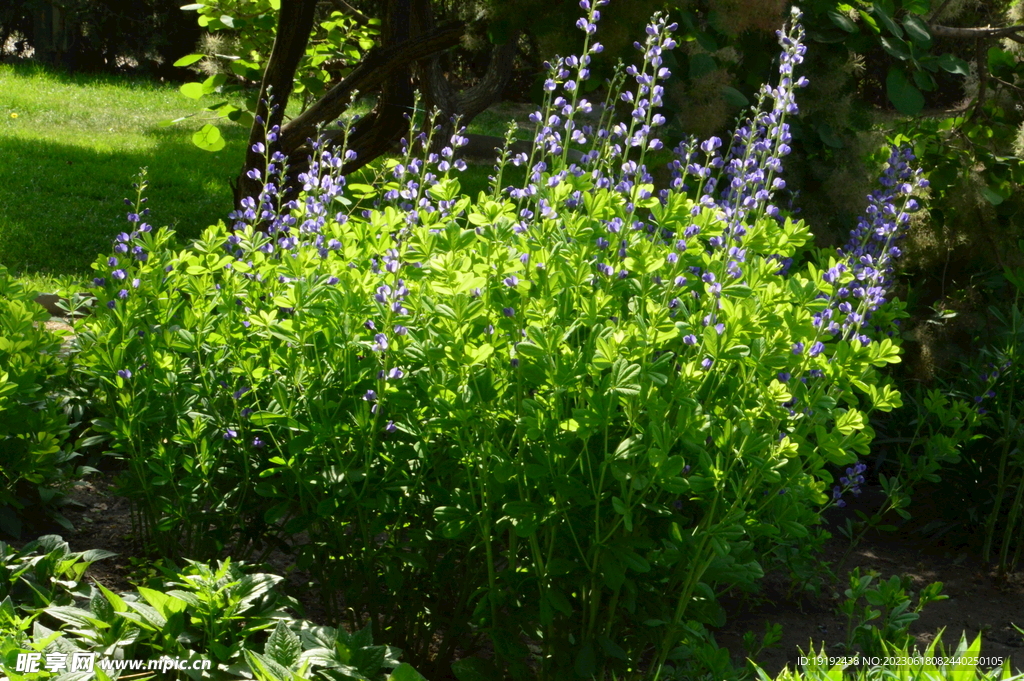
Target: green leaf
[
  {"x": 586, "y": 661},
  {"x": 917, "y": 30},
  {"x": 954, "y": 64},
  {"x": 924, "y": 81},
  {"x": 275, "y": 5},
  {"x": 194, "y": 6},
  {"x": 189, "y": 59},
  {"x": 625, "y": 378},
  {"x": 897, "y": 47},
  {"x": 405, "y": 671},
  {"x": 887, "y": 21},
  {"x": 192, "y": 90},
  {"x": 907, "y": 99},
  {"x": 701, "y": 64},
  {"x": 735, "y": 97},
  {"x": 475, "y": 669},
  {"x": 209, "y": 138},
  {"x": 850, "y": 421},
  {"x": 227, "y": 20},
  {"x": 993, "y": 197},
  {"x": 283, "y": 646},
  {"x": 842, "y": 21}
]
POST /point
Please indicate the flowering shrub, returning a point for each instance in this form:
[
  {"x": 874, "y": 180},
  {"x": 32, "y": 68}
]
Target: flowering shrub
[
  {"x": 33, "y": 427},
  {"x": 573, "y": 410}
]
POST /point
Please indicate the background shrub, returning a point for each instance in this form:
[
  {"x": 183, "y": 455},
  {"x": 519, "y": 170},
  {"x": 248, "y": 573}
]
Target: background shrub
[
  {"x": 573, "y": 410},
  {"x": 34, "y": 429}
]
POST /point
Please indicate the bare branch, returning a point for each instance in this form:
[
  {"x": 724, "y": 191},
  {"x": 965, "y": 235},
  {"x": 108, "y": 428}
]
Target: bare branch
[
  {"x": 377, "y": 65},
  {"x": 980, "y": 32}
]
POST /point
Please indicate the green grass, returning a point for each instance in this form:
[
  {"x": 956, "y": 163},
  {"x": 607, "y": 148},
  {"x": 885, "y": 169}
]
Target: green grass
[{"x": 71, "y": 147}]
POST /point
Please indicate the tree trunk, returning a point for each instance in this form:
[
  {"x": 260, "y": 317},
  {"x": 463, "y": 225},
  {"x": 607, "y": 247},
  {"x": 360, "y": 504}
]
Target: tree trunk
[
  {"x": 468, "y": 104},
  {"x": 374, "y": 70},
  {"x": 294, "y": 26}
]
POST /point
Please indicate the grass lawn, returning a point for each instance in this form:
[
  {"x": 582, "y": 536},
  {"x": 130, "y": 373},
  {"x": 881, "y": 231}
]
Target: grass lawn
[{"x": 71, "y": 146}]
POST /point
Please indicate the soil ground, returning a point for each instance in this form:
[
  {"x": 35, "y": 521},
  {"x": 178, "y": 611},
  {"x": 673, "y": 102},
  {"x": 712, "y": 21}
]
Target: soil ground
[{"x": 978, "y": 601}]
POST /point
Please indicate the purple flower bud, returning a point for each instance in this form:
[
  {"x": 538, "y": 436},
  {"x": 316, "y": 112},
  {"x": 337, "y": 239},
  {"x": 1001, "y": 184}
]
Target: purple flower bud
[{"x": 125, "y": 374}]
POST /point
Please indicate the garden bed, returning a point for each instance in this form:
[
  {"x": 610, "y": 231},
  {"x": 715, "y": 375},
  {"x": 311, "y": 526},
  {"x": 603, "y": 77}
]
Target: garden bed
[{"x": 979, "y": 602}]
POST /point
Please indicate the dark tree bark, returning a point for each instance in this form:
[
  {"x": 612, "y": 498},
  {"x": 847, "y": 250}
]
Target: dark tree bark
[
  {"x": 375, "y": 69},
  {"x": 294, "y": 26},
  {"x": 409, "y": 39},
  {"x": 377, "y": 132},
  {"x": 468, "y": 104}
]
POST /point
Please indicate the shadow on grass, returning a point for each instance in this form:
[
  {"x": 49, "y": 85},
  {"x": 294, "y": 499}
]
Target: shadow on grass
[
  {"x": 61, "y": 205},
  {"x": 29, "y": 68}
]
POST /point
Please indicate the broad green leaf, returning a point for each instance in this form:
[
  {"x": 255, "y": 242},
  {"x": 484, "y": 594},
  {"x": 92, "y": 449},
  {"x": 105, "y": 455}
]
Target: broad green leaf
[
  {"x": 992, "y": 196},
  {"x": 192, "y": 90},
  {"x": 734, "y": 97},
  {"x": 701, "y": 64},
  {"x": 208, "y": 138},
  {"x": 887, "y": 21},
  {"x": 907, "y": 99},
  {"x": 405, "y": 671},
  {"x": 842, "y": 21},
  {"x": 954, "y": 64},
  {"x": 189, "y": 59},
  {"x": 475, "y": 669},
  {"x": 917, "y": 30},
  {"x": 283, "y": 646},
  {"x": 897, "y": 47}
]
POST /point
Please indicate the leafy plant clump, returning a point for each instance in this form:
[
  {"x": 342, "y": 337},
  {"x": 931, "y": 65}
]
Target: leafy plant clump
[
  {"x": 34, "y": 428},
  {"x": 902, "y": 662},
  {"x": 569, "y": 412},
  {"x": 219, "y": 622}
]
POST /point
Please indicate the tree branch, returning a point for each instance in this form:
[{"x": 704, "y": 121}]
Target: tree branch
[
  {"x": 294, "y": 25},
  {"x": 375, "y": 68},
  {"x": 983, "y": 32}
]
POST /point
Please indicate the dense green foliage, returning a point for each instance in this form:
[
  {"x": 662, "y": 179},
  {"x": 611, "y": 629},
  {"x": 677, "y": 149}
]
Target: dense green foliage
[
  {"x": 587, "y": 428},
  {"x": 558, "y": 419},
  {"x": 37, "y": 460},
  {"x": 100, "y": 34},
  {"x": 241, "y": 35},
  {"x": 219, "y": 622}
]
